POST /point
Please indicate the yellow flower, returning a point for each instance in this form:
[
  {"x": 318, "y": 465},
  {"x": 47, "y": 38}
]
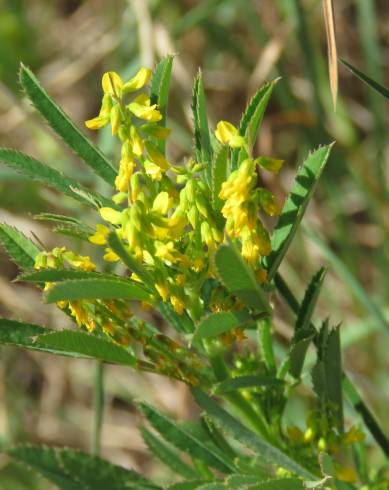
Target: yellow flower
[
  {"x": 110, "y": 255},
  {"x": 346, "y": 474},
  {"x": 162, "y": 203},
  {"x": 156, "y": 156},
  {"x": 126, "y": 169},
  {"x": 111, "y": 215},
  {"x": 79, "y": 261},
  {"x": 353, "y": 435},
  {"x": 177, "y": 304},
  {"x": 153, "y": 170},
  {"x": 141, "y": 107},
  {"x": 136, "y": 142},
  {"x": 112, "y": 84},
  {"x": 166, "y": 251},
  {"x": 163, "y": 290},
  {"x": 228, "y": 134},
  {"x": 115, "y": 118},
  {"x": 141, "y": 79},
  {"x": 104, "y": 115},
  {"x": 100, "y": 237}
]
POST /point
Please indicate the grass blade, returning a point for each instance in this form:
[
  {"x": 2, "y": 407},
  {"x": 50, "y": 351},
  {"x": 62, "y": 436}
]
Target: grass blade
[{"x": 369, "y": 81}]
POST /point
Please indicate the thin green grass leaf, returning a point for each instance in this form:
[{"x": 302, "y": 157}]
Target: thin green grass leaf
[
  {"x": 201, "y": 129},
  {"x": 366, "y": 79}
]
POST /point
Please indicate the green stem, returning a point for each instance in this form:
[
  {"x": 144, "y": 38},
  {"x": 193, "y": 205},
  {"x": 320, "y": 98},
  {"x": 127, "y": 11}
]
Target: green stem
[
  {"x": 254, "y": 418},
  {"x": 266, "y": 344},
  {"x": 98, "y": 408}
]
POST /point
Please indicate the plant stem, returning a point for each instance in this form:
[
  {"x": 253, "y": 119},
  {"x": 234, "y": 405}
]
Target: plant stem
[
  {"x": 255, "y": 419},
  {"x": 98, "y": 404},
  {"x": 266, "y": 344}
]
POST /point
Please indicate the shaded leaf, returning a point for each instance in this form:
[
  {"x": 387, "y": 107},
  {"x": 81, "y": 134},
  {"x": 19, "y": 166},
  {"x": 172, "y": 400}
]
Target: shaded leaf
[{"x": 219, "y": 174}]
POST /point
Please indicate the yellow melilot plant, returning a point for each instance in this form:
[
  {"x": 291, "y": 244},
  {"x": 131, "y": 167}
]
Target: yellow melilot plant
[{"x": 188, "y": 239}]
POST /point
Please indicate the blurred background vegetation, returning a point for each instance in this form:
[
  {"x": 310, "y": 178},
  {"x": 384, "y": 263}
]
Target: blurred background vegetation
[{"x": 239, "y": 44}]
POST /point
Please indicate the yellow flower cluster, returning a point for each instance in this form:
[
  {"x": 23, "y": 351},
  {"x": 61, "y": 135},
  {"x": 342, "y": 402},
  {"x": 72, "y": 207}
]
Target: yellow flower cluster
[
  {"x": 88, "y": 314},
  {"x": 169, "y": 223}
]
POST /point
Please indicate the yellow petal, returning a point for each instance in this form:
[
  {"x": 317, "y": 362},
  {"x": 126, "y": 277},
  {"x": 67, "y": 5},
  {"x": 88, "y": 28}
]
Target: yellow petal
[
  {"x": 100, "y": 237},
  {"x": 110, "y": 256},
  {"x": 141, "y": 79},
  {"x": 225, "y": 131},
  {"x": 111, "y": 215},
  {"x": 161, "y": 203},
  {"x": 154, "y": 171},
  {"x": 112, "y": 84},
  {"x": 97, "y": 122}
]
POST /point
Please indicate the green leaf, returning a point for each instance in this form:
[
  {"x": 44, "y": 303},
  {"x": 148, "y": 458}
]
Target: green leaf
[
  {"x": 295, "y": 207},
  {"x": 279, "y": 484},
  {"x": 308, "y": 305},
  {"x": 187, "y": 485},
  {"x": 202, "y": 135},
  {"x": 26, "y": 335},
  {"x": 32, "y": 168},
  {"x": 74, "y": 470},
  {"x": 231, "y": 426},
  {"x": 251, "y": 121},
  {"x": 184, "y": 440},
  {"x": 167, "y": 455},
  {"x": 239, "y": 279},
  {"x": 217, "y": 323},
  {"x": 96, "y": 289},
  {"x": 246, "y": 382},
  {"x": 119, "y": 248},
  {"x": 64, "y": 127},
  {"x": 181, "y": 323},
  {"x": 20, "y": 248},
  {"x": 59, "y": 275},
  {"x": 303, "y": 331},
  {"x": 19, "y": 333},
  {"x": 86, "y": 345},
  {"x": 219, "y": 174},
  {"x": 327, "y": 374},
  {"x": 160, "y": 84},
  {"x": 369, "y": 81}
]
